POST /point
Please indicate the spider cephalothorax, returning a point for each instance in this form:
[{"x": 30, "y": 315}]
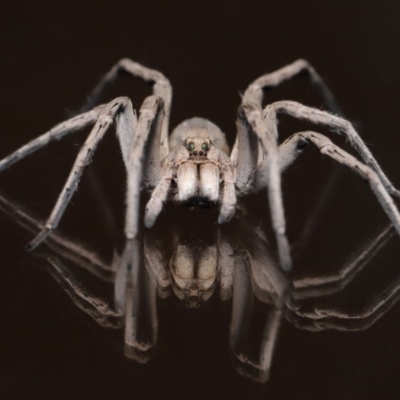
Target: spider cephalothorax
[{"x": 193, "y": 166}]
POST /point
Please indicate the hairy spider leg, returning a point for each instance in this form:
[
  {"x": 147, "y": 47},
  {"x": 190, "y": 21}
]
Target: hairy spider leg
[
  {"x": 333, "y": 122},
  {"x": 268, "y": 134},
  {"x": 161, "y": 87},
  {"x": 254, "y": 93},
  {"x": 150, "y": 112},
  {"x": 148, "y": 132},
  {"x": 340, "y": 126},
  {"x": 83, "y": 159},
  {"x": 326, "y": 147},
  {"x": 253, "y": 122},
  {"x": 56, "y": 133},
  {"x": 247, "y": 152}
]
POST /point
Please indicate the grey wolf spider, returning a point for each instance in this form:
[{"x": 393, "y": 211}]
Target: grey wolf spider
[{"x": 193, "y": 164}]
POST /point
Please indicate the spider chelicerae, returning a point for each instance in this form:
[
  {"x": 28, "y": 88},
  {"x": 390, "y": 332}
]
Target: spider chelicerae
[{"x": 193, "y": 165}]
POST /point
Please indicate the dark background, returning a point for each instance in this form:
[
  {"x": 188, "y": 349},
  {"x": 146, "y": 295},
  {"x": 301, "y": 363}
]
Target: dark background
[{"x": 54, "y": 53}]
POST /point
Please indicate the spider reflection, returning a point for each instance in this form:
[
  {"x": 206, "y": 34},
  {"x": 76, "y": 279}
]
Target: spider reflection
[{"x": 234, "y": 263}]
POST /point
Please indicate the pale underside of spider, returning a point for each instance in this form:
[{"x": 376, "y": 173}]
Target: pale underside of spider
[{"x": 193, "y": 165}]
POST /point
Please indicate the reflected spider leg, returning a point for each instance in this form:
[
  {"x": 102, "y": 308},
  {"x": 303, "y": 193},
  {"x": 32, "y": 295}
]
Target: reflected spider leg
[
  {"x": 242, "y": 305},
  {"x": 154, "y": 261},
  {"x": 324, "y": 316},
  {"x": 141, "y": 322},
  {"x": 338, "y": 318},
  {"x": 326, "y": 285},
  {"x": 139, "y": 308},
  {"x": 102, "y": 312},
  {"x": 161, "y": 88},
  {"x": 225, "y": 261},
  {"x": 61, "y": 245}
]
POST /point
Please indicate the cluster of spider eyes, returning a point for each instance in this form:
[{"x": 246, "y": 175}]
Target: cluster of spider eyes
[{"x": 203, "y": 152}]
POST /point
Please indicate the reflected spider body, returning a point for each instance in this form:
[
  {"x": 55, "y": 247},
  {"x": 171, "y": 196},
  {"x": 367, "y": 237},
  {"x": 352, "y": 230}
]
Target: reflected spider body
[
  {"x": 233, "y": 263},
  {"x": 193, "y": 166}
]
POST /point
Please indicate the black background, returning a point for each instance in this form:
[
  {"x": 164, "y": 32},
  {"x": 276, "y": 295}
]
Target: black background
[{"x": 54, "y": 53}]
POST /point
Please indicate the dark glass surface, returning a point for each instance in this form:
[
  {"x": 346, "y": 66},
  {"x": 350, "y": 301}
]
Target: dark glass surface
[{"x": 54, "y": 55}]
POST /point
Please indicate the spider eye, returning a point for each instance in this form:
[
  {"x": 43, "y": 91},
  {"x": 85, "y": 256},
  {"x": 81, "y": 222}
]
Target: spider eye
[
  {"x": 190, "y": 146},
  {"x": 205, "y": 146}
]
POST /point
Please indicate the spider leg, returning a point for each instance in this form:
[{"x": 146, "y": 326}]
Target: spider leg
[
  {"x": 145, "y": 140},
  {"x": 318, "y": 286},
  {"x": 326, "y": 147},
  {"x": 106, "y": 117},
  {"x": 161, "y": 88},
  {"x": 337, "y": 124},
  {"x": 159, "y": 195},
  {"x": 255, "y": 91},
  {"x": 56, "y": 133},
  {"x": 256, "y": 125},
  {"x": 148, "y": 128},
  {"x": 102, "y": 312},
  {"x": 247, "y": 153},
  {"x": 228, "y": 203}
]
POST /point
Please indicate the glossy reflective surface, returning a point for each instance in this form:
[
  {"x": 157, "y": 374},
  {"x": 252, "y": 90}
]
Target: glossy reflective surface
[{"x": 336, "y": 336}]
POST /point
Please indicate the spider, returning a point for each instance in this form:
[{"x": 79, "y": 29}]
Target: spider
[
  {"x": 193, "y": 165},
  {"x": 235, "y": 263}
]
